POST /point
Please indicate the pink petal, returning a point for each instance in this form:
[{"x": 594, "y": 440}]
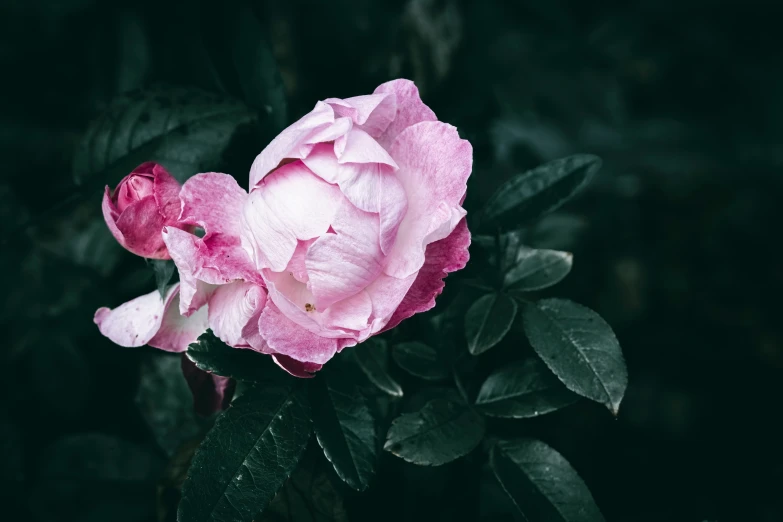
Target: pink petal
[
  {"x": 287, "y": 143},
  {"x": 410, "y": 109},
  {"x": 232, "y": 307},
  {"x": 285, "y": 337},
  {"x": 369, "y": 186},
  {"x": 434, "y": 167},
  {"x": 442, "y": 257},
  {"x": 372, "y": 112},
  {"x": 296, "y": 266},
  {"x": 211, "y": 393},
  {"x": 304, "y": 370},
  {"x": 290, "y": 204},
  {"x": 140, "y": 225},
  {"x": 341, "y": 264},
  {"x": 177, "y": 332},
  {"x": 359, "y": 147},
  {"x": 386, "y": 294},
  {"x": 151, "y": 320},
  {"x": 166, "y": 192},
  {"x": 213, "y": 202},
  {"x": 110, "y": 215},
  {"x": 352, "y": 313}
]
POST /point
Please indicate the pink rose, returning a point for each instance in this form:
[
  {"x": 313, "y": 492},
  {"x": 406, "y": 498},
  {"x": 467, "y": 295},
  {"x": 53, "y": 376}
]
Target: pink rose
[
  {"x": 352, "y": 220},
  {"x": 143, "y": 203}
]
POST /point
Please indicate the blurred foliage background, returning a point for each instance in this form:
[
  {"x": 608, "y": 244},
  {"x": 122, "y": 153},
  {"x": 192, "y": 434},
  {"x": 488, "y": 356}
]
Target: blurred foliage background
[{"x": 675, "y": 243}]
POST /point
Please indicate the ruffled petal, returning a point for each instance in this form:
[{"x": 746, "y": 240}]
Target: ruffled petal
[
  {"x": 410, "y": 109},
  {"x": 232, "y": 307},
  {"x": 212, "y": 202},
  {"x": 442, "y": 257},
  {"x": 165, "y": 189},
  {"x": 339, "y": 265},
  {"x": 371, "y": 187},
  {"x": 359, "y": 147},
  {"x": 151, "y": 320},
  {"x": 288, "y": 142},
  {"x": 434, "y": 167},
  {"x": 285, "y": 337},
  {"x": 290, "y": 204},
  {"x": 371, "y": 113}
]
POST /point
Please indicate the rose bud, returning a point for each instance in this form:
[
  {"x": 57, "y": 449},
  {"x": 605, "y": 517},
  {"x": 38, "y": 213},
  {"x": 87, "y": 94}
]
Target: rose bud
[{"x": 143, "y": 203}]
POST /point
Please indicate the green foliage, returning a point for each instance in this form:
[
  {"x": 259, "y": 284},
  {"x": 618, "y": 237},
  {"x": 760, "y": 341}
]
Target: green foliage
[
  {"x": 420, "y": 360},
  {"x": 488, "y": 320},
  {"x": 164, "y": 270},
  {"x": 530, "y": 195},
  {"x": 373, "y": 358},
  {"x": 439, "y": 433},
  {"x": 344, "y": 426},
  {"x": 247, "y": 456},
  {"x": 579, "y": 347},
  {"x": 213, "y": 355},
  {"x": 542, "y": 484},
  {"x": 522, "y": 389},
  {"x": 185, "y": 129}
]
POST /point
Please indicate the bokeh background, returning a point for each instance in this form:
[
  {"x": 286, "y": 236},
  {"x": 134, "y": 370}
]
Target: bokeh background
[{"x": 675, "y": 243}]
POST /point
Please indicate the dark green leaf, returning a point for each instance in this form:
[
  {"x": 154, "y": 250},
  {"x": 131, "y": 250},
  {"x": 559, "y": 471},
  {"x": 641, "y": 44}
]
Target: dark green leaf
[
  {"x": 307, "y": 496},
  {"x": 420, "y": 360},
  {"x": 530, "y": 195},
  {"x": 165, "y": 401},
  {"x": 212, "y": 355},
  {"x": 439, "y": 433},
  {"x": 542, "y": 484},
  {"x": 579, "y": 347},
  {"x": 537, "y": 269},
  {"x": 164, "y": 271},
  {"x": 523, "y": 389},
  {"x": 373, "y": 358},
  {"x": 344, "y": 426},
  {"x": 488, "y": 320},
  {"x": 186, "y": 130},
  {"x": 247, "y": 456}
]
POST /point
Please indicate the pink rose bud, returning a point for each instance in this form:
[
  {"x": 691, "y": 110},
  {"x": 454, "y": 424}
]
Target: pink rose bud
[{"x": 143, "y": 203}]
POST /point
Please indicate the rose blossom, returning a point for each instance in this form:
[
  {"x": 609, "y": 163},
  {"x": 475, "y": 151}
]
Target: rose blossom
[
  {"x": 352, "y": 220},
  {"x": 143, "y": 203}
]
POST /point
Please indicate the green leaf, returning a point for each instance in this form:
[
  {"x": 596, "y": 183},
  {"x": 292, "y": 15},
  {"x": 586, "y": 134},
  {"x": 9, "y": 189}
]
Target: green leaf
[
  {"x": 523, "y": 389},
  {"x": 372, "y": 356},
  {"x": 579, "y": 347},
  {"x": 165, "y": 401},
  {"x": 247, "y": 456},
  {"x": 164, "y": 270},
  {"x": 186, "y": 130},
  {"x": 530, "y": 195},
  {"x": 344, "y": 426},
  {"x": 537, "y": 269},
  {"x": 488, "y": 320},
  {"x": 212, "y": 355},
  {"x": 419, "y": 359},
  {"x": 440, "y": 432},
  {"x": 542, "y": 484},
  {"x": 307, "y": 496}
]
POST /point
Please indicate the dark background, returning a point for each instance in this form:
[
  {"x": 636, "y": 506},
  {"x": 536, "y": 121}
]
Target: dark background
[{"x": 675, "y": 243}]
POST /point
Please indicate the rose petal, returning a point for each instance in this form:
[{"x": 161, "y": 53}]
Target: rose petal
[
  {"x": 151, "y": 320},
  {"x": 211, "y": 201},
  {"x": 110, "y": 215},
  {"x": 442, "y": 257},
  {"x": 386, "y": 294},
  {"x": 372, "y": 112},
  {"x": 359, "y": 147},
  {"x": 296, "y": 266},
  {"x": 304, "y": 370},
  {"x": 339, "y": 265},
  {"x": 211, "y": 393},
  {"x": 287, "y": 143},
  {"x": 290, "y": 204},
  {"x": 140, "y": 225},
  {"x": 285, "y": 337},
  {"x": 434, "y": 167},
  {"x": 232, "y": 307},
  {"x": 166, "y": 192},
  {"x": 410, "y": 109}
]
